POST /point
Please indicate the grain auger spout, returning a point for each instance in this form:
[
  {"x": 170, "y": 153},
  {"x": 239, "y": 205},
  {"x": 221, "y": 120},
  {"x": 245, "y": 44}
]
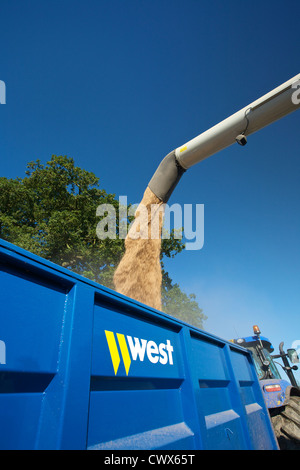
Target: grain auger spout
[
  {"x": 139, "y": 273},
  {"x": 269, "y": 108}
]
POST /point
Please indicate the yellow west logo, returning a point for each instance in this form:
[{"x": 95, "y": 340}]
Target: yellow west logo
[
  {"x": 139, "y": 349},
  {"x": 114, "y": 353}
]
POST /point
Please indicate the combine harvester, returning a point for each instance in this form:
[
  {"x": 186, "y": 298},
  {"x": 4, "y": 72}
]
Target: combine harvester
[{"x": 83, "y": 367}]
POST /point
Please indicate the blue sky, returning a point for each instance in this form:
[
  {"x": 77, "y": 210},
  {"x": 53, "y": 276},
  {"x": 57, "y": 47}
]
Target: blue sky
[{"x": 118, "y": 84}]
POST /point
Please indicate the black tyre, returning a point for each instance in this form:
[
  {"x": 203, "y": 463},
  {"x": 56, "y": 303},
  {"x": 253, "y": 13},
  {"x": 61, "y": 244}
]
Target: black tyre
[{"x": 286, "y": 424}]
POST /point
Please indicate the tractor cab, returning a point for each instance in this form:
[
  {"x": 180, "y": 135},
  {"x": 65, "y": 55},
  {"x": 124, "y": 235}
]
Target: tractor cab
[
  {"x": 275, "y": 389},
  {"x": 261, "y": 348}
]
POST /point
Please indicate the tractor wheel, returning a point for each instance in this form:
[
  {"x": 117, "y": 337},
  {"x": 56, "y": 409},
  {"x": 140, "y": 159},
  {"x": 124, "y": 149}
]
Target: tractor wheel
[{"x": 286, "y": 424}]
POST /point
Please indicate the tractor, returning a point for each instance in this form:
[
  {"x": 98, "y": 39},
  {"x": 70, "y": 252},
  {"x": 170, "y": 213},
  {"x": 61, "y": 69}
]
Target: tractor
[{"x": 282, "y": 397}]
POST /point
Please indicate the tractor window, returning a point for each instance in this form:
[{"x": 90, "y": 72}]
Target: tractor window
[
  {"x": 257, "y": 364},
  {"x": 272, "y": 366},
  {"x": 260, "y": 370}
]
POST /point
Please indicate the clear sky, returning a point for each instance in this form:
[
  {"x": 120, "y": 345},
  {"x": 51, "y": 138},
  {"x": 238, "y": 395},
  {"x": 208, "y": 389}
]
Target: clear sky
[{"x": 117, "y": 84}]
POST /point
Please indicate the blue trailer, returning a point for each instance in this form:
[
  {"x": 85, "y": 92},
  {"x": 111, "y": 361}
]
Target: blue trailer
[{"x": 83, "y": 367}]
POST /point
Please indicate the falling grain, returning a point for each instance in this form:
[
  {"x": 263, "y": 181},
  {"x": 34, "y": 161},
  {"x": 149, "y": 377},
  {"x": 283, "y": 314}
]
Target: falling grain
[{"x": 139, "y": 273}]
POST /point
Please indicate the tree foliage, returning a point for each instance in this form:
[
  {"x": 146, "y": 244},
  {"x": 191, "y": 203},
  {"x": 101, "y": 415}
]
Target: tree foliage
[{"x": 52, "y": 213}]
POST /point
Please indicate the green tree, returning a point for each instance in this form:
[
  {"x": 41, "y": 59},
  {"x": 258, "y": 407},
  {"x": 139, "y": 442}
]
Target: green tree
[
  {"x": 177, "y": 303},
  {"x": 52, "y": 213}
]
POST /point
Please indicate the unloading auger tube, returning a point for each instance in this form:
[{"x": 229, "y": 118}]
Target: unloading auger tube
[{"x": 262, "y": 112}]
